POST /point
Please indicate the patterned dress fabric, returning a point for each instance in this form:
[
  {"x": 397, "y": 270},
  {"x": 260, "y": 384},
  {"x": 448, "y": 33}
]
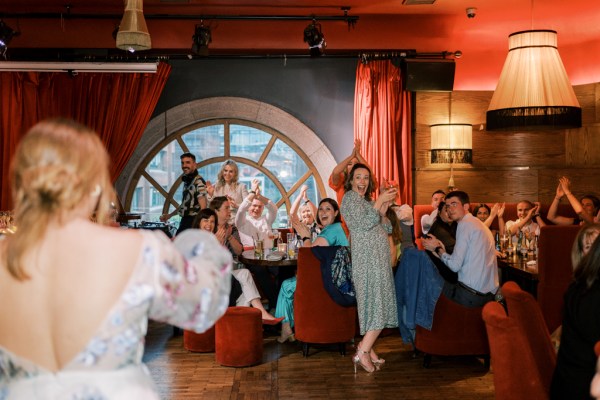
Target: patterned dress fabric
[
  {"x": 371, "y": 271},
  {"x": 165, "y": 287}
]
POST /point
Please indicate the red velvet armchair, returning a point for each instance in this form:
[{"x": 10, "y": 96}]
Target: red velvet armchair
[
  {"x": 318, "y": 319},
  {"x": 516, "y": 375},
  {"x": 456, "y": 330},
  {"x": 526, "y": 311}
]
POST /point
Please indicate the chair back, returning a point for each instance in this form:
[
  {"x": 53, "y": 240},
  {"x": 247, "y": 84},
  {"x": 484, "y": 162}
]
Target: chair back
[
  {"x": 516, "y": 376},
  {"x": 317, "y": 318},
  {"x": 555, "y": 271},
  {"x": 526, "y": 312},
  {"x": 456, "y": 330}
]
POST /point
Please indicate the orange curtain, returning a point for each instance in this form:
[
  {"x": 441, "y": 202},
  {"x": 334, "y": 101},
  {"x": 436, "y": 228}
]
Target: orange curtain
[
  {"x": 382, "y": 121},
  {"x": 117, "y": 106}
]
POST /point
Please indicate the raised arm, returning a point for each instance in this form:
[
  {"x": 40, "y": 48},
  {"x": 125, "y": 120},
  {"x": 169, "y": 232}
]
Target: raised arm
[
  {"x": 339, "y": 169},
  {"x": 575, "y": 203},
  {"x": 553, "y": 210},
  {"x": 493, "y": 214},
  {"x": 301, "y": 197},
  {"x": 501, "y": 224}
]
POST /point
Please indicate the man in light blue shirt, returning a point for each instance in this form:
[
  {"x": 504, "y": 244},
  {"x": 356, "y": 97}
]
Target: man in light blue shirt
[{"x": 474, "y": 256}]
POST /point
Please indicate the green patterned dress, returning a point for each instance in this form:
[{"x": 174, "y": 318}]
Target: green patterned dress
[{"x": 371, "y": 271}]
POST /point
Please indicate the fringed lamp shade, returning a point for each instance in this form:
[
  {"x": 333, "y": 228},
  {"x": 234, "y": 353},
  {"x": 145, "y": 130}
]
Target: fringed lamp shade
[
  {"x": 533, "y": 91},
  {"x": 451, "y": 143},
  {"x": 133, "y": 33}
]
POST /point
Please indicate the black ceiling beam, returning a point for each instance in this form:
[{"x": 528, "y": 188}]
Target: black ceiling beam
[{"x": 346, "y": 18}]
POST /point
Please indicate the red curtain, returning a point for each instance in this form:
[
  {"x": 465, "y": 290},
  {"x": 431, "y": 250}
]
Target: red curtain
[
  {"x": 382, "y": 121},
  {"x": 116, "y": 105}
]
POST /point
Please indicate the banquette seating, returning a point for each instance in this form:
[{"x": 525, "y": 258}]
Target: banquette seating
[
  {"x": 510, "y": 214},
  {"x": 318, "y": 319},
  {"x": 555, "y": 271}
]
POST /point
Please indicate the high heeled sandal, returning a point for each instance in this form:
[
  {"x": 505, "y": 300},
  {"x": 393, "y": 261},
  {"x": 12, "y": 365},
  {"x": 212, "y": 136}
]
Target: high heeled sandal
[
  {"x": 287, "y": 338},
  {"x": 357, "y": 361},
  {"x": 377, "y": 362}
]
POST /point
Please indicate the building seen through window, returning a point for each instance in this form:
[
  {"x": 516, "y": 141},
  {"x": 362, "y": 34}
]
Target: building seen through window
[{"x": 260, "y": 152}]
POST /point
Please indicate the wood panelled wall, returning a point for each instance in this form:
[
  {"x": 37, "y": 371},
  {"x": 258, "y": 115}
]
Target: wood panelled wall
[{"x": 508, "y": 166}]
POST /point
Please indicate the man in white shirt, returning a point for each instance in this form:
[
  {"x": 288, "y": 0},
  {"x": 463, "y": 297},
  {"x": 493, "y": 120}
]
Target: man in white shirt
[
  {"x": 254, "y": 225},
  {"x": 474, "y": 256},
  {"x": 427, "y": 220},
  {"x": 250, "y": 219}
]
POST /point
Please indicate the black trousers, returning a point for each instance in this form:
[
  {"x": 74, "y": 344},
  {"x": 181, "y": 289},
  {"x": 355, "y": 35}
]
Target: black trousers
[{"x": 466, "y": 297}]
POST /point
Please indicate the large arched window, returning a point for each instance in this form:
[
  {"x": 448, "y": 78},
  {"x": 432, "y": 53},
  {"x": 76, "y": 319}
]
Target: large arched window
[{"x": 261, "y": 153}]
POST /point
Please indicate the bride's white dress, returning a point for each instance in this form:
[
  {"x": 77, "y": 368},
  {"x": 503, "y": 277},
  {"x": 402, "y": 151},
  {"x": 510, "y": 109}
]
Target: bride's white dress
[{"x": 164, "y": 286}]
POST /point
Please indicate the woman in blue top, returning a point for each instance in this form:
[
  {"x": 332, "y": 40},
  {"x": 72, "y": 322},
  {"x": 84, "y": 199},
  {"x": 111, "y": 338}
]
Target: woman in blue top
[{"x": 332, "y": 234}]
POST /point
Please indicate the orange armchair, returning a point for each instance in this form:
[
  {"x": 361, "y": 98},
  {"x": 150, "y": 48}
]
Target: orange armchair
[
  {"x": 516, "y": 375},
  {"x": 456, "y": 330},
  {"x": 317, "y": 318},
  {"x": 526, "y": 311}
]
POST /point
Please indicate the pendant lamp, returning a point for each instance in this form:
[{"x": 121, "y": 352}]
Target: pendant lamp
[
  {"x": 533, "y": 91},
  {"x": 133, "y": 33}
]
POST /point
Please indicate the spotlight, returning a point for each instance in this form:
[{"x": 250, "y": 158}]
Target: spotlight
[
  {"x": 6, "y": 35},
  {"x": 201, "y": 39},
  {"x": 315, "y": 39}
]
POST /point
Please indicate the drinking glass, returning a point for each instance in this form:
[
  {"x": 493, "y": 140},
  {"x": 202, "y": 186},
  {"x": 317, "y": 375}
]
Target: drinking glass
[
  {"x": 503, "y": 242},
  {"x": 291, "y": 245},
  {"x": 258, "y": 248}
]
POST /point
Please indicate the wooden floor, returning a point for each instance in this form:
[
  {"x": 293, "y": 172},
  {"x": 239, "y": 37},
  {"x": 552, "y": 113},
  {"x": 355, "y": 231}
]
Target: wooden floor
[{"x": 325, "y": 374}]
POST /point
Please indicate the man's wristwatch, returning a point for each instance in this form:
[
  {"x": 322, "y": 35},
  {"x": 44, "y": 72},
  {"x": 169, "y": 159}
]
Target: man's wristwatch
[
  {"x": 437, "y": 250},
  {"x": 251, "y": 191},
  {"x": 305, "y": 238}
]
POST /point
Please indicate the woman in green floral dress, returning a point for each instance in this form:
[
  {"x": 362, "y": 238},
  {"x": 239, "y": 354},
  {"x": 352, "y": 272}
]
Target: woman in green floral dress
[{"x": 371, "y": 271}]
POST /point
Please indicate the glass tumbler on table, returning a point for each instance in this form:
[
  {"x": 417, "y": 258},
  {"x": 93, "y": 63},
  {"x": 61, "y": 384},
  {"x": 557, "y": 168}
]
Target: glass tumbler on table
[{"x": 291, "y": 245}]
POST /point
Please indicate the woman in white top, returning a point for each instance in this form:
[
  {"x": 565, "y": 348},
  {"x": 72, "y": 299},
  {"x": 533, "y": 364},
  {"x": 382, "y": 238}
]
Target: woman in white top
[
  {"x": 77, "y": 295},
  {"x": 229, "y": 186}
]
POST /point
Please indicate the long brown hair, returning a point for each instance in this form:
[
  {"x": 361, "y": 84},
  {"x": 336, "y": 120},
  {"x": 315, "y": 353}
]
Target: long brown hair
[
  {"x": 587, "y": 271},
  {"x": 370, "y": 186},
  {"x": 57, "y": 166}
]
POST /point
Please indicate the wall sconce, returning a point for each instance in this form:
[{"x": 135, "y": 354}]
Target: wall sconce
[
  {"x": 202, "y": 37},
  {"x": 133, "y": 33},
  {"x": 315, "y": 39},
  {"x": 451, "y": 144},
  {"x": 533, "y": 91}
]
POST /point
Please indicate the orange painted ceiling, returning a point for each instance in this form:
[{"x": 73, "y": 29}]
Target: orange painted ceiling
[{"x": 382, "y": 25}]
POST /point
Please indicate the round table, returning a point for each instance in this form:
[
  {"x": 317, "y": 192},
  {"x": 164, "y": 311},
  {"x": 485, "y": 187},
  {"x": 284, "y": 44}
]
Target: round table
[{"x": 247, "y": 258}]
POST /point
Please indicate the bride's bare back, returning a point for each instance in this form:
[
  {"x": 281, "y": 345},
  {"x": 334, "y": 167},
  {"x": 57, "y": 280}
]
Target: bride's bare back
[{"x": 77, "y": 273}]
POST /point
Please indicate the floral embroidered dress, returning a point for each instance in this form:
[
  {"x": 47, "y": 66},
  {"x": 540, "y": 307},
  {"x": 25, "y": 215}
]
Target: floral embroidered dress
[
  {"x": 371, "y": 272},
  {"x": 164, "y": 286}
]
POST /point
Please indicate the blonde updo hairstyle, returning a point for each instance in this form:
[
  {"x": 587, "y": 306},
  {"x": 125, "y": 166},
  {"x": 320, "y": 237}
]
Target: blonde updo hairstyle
[
  {"x": 234, "y": 182},
  {"x": 59, "y": 165}
]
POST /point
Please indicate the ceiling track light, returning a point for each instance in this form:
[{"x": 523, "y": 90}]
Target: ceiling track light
[
  {"x": 6, "y": 35},
  {"x": 313, "y": 36},
  {"x": 133, "y": 33},
  {"x": 202, "y": 37}
]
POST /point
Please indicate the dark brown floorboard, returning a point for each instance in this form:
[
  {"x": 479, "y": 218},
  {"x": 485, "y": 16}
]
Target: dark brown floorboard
[{"x": 325, "y": 374}]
